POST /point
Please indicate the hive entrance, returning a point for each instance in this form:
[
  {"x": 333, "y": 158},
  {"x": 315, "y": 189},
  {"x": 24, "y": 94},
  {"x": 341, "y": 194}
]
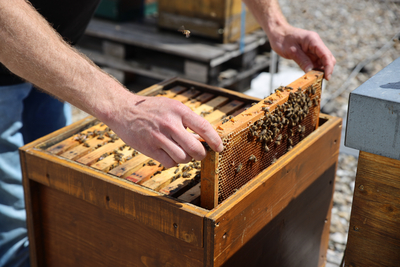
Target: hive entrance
[{"x": 259, "y": 136}]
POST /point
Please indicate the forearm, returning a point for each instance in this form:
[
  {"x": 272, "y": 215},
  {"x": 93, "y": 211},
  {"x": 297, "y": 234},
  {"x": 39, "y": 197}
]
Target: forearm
[
  {"x": 267, "y": 13},
  {"x": 32, "y": 49}
]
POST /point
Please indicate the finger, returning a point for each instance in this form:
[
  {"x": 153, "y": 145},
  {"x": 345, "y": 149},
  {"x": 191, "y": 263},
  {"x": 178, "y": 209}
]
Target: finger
[
  {"x": 189, "y": 143},
  {"x": 326, "y": 58},
  {"x": 162, "y": 157},
  {"x": 304, "y": 62},
  {"x": 203, "y": 128},
  {"x": 173, "y": 149}
]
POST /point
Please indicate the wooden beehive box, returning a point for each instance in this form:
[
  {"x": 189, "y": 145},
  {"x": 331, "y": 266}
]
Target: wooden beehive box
[
  {"x": 221, "y": 20},
  {"x": 82, "y": 212}
]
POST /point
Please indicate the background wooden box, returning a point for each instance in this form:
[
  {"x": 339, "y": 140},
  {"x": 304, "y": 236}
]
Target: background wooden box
[
  {"x": 78, "y": 216},
  {"x": 219, "y": 20}
]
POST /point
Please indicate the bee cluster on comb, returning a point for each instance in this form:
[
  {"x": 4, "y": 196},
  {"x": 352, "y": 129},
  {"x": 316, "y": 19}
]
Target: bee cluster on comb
[
  {"x": 270, "y": 129},
  {"x": 259, "y": 136}
]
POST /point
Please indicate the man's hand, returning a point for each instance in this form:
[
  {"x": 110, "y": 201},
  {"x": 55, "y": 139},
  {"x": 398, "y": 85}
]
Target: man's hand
[
  {"x": 304, "y": 47},
  {"x": 156, "y": 126}
]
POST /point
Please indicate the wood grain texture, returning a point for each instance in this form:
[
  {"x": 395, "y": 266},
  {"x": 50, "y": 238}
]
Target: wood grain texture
[
  {"x": 247, "y": 223},
  {"x": 71, "y": 142},
  {"x": 209, "y": 182},
  {"x": 88, "y": 235},
  {"x": 374, "y": 232},
  {"x": 130, "y": 166},
  {"x": 124, "y": 198}
]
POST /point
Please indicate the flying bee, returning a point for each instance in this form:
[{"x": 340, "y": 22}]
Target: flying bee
[
  {"x": 185, "y": 32},
  {"x": 239, "y": 167}
]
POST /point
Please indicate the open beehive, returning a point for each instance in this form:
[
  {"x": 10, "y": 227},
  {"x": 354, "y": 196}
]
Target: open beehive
[{"x": 93, "y": 201}]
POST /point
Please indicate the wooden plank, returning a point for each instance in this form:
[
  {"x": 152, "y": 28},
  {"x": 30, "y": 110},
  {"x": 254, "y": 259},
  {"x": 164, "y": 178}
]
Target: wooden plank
[
  {"x": 219, "y": 113},
  {"x": 72, "y": 142},
  {"x": 374, "y": 232},
  {"x": 194, "y": 103},
  {"x": 146, "y": 172},
  {"x": 163, "y": 179},
  {"x": 111, "y": 161},
  {"x": 130, "y": 166},
  {"x": 186, "y": 96},
  {"x": 265, "y": 210},
  {"x": 179, "y": 184},
  {"x": 192, "y": 195},
  {"x": 209, "y": 181},
  {"x": 71, "y": 228},
  {"x": 172, "y": 92},
  {"x": 82, "y": 150},
  {"x": 118, "y": 196},
  {"x": 96, "y": 154},
  {"x": 211, "y": 105}
]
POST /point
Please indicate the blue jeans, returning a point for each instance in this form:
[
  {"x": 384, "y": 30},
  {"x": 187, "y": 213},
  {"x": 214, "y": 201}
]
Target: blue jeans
[{"x": 25, "y": 115}]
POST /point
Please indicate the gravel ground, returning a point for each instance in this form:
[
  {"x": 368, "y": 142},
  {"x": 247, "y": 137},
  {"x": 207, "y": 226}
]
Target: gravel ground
[{"x": 359, "y": 33}]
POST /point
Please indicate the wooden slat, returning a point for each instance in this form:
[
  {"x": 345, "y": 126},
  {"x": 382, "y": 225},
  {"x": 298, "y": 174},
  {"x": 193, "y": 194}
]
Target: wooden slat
[
  {"x": 193, "y": 104},
  {"x": 71, "y": 142},
  {"x": 211, "y": 105},
  {"x": 209, "y": 181},
  {"x": 192, "y": 195},
  {"x": 143, "y": 174},
  {"x": 82, "y": 150},
  {"x": 179, "y": 184},
  {"x": 130, "y": 166},
  {"x": 219, "y": 113},
  {"x": 93, "y": 156},
  {"x": 110, "y": 162},
  {"x": 187, "y": 95},
  {"x": 162, "y": 179},
  {"x": 172, "y": 92}
]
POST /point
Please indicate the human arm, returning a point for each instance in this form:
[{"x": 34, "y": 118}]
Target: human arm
[
  {"x": 32, "y": 49},
  {"x": 304, "y": 47}
]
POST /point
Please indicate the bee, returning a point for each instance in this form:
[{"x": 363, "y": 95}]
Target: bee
[
  {"x": 162, "y": 93},
  {"x": 277, "y": 143},
  {"x": 313, "y": 90},
  {"x": 239, "y": 167},
  {"x": 177, "y": 169},
  {"x": 185, "y": 175},
  {"x": 290, "y": 141},
  {"x": 273, "y": 160},
  {"x": 265, "y": 109},
  {"x": 289, "y": 88},
  {"x": 151, "y": 163},
  {"x": 185, "y": 32},
  {"x": 299, "y": 89},
  {"x": 279, "y": 89},
  {"x": 279, "y": 94},
  {"x": 266, "y": 148},
  {"x": 279, "y": 138},
  {"x": 253, "y": 158},
  {"x": 85, "y": 144}
]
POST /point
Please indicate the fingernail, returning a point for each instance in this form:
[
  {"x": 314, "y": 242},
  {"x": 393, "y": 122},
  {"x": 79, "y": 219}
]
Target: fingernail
[
  {"x": 220, "y": 148},
  {"x": 328, "y": 77}
]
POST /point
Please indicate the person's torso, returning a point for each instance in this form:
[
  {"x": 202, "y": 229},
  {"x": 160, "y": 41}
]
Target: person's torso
[{"x": 68, "y": 17}]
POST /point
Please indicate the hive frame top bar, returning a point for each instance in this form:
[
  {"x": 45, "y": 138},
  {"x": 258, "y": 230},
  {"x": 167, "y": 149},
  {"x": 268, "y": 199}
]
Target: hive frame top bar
[{"x": 255, "y": 112}]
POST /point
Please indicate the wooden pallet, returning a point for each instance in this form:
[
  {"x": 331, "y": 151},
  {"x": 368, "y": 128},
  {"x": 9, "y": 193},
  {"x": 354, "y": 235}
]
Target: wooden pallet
[{"x": 143, "y": 49}]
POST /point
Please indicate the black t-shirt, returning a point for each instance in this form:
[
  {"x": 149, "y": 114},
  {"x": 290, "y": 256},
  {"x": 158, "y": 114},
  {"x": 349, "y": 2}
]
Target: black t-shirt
[{"x": 68, "y": 17}]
